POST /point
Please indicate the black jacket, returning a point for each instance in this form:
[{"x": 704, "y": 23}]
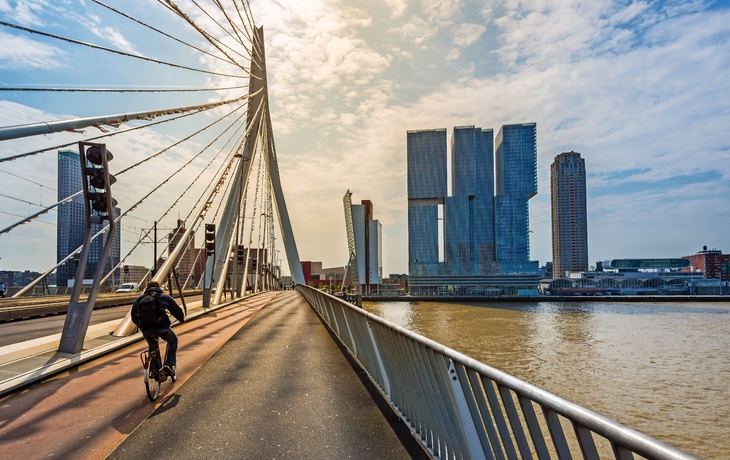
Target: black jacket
[{"x": 167, "y": 302}]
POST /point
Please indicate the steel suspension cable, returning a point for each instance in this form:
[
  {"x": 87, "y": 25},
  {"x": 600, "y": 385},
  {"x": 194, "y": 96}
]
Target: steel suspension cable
[
  {"x": 180, "y": 197},
  {"x": 55, "y": 147},
  {"x": 105, "y": 229},
  {"x": 238, "y": 40},
  {"x": 207, "y": 36},
  {"x": 144, "y": 160},
  {"x": 112, "y": 50},
  {"x": 33, "y": 129},
  {"x": 257, "y": 153},
  {"x": 116, "y": 90},
  {"x": 158, "y": 30}
]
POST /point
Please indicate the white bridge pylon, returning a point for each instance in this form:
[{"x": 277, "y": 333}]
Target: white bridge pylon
[{"x": 258, "y": 140}]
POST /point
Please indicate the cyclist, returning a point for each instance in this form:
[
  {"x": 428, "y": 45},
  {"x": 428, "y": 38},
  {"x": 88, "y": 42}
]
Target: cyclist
[
  {"x": 148, "y": 313},
  {"x": 2, "y": 289}
]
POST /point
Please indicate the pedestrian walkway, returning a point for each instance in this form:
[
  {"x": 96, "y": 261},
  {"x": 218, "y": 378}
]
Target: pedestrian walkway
[{"x": 281, "y": 387}]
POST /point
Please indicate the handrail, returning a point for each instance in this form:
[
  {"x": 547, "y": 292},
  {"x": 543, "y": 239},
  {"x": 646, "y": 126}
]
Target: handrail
[{"x": 459, "y": 407}]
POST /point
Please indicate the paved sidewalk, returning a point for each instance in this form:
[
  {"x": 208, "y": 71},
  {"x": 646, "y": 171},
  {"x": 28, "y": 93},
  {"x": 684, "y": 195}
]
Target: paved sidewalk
[{"x": 281, "y": 387}]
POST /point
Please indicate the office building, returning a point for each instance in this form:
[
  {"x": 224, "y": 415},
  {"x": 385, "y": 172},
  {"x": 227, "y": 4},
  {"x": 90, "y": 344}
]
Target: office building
[
  {"x": 71, "y": 223},
  {"x": 569, "y": 215},
  {"x": 516, "y": 182},
  {"x": 453, "y": 236},
  {"x": 427, "y": 183},
  {"x": 469, "y": 211}
]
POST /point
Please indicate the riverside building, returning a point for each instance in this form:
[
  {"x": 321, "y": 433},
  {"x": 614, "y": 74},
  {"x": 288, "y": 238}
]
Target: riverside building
[
  {"x": 569, "y": 215},
  {"x": 454, "y": 245}
]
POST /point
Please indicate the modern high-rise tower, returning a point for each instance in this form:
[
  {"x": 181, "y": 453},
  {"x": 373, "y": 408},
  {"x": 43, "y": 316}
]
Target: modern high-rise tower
[
  {"x": 71, "y": 224},
  {"x": 569, "y": 214},
  {"x": 516, "y": 183},
  {"x": 426, "y": 193},
  {"x": 469, "y": 211}
]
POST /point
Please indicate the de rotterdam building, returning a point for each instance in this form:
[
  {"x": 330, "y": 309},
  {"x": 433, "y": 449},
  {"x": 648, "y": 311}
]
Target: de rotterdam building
[{"x": 454, "y": 238}]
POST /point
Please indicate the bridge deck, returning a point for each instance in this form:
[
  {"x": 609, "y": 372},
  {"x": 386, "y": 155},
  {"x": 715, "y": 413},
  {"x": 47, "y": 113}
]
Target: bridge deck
[{"x": 280, "y": 388}]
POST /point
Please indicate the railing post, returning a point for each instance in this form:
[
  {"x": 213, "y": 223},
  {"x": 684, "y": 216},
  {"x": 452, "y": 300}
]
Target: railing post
[
  {"x": 470, "y": 430},
  {"x": 386, "y": 382}
]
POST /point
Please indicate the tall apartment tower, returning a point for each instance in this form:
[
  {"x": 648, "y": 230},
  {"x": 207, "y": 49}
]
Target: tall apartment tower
[
  {"x": 71, "y": 224},
  {"x": 427, "y": 190},
  {"x": 516, "y": 183},
  {"x": 569, "y": 214}
]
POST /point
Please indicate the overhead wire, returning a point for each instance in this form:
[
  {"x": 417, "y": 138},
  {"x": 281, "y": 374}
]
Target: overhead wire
[
  {"x": 25, "y": 179},
  {"x": 112, "y": 50}
]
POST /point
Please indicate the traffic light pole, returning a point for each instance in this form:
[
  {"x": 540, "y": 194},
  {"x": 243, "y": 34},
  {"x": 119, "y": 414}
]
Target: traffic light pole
[
  {"x": 210, "y": 252},
  {"x": 79, "y": 313}
]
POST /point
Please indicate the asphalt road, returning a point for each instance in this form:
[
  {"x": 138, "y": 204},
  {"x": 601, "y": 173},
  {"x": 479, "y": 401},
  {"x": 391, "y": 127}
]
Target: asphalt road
[
  {"x": 27, "y": 329},
  {"x": 279, "y": 388}
]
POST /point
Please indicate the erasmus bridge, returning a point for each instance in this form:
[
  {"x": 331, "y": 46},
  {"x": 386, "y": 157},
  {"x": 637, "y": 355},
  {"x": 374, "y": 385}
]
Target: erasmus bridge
[{"x": 261, "y": 372}]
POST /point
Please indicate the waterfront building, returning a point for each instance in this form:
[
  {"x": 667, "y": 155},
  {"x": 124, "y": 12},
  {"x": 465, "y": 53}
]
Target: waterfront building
[
  {"x": 712, "y": 262},
  {"x": 427, "y": 189},
  {"x": 452, "y": 236},
  {"x": 469, "y": 211},
  {"x": 71, "y": 225},
  {"x": 516, "y": 183},
  {"x": 569, "y": 214},
  {"x": 365, "y": 244},
  {"x": 634, "y": 277}
]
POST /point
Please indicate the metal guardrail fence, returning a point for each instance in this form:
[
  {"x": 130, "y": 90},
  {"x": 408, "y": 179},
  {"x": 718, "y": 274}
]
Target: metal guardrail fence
[{"x": 460, "y": 408}]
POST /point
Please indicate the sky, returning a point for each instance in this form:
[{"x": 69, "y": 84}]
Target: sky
[{"x": 640, "y": 89}]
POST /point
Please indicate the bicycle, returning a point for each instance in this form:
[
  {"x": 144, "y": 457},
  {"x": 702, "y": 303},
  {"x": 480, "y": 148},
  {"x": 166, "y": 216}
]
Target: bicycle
[{"x": 154, "y": 374}]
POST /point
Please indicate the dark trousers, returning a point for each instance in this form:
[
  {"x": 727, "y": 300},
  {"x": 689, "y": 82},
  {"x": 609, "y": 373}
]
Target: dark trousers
[{"x": 168, "y": 336}]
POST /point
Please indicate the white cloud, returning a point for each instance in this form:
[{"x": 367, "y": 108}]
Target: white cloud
[
  {"x": 398, "y": 7},
  {"x": 21, "y": 52},
  {"x": 467, "y": 34}
]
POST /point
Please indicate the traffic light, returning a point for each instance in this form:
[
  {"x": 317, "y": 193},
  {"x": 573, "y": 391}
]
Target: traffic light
[
  {"x": 209, "y": 239},
  {"x": 95, "y": 160},
  {"x": 240, "y": 253}
]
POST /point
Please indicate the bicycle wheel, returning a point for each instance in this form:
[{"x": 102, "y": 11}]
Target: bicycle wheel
[{"x": 150, "y": 376}]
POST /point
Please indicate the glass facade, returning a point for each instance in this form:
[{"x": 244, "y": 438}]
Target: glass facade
[
  {"x": 71, "y": 230},
  {"x": 427, "y": 188},
  {"x": 516, "y": 183},
  {"x": 482, "y": 234}
]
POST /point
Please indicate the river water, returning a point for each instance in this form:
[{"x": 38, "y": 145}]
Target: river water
[{"x": 660, "y": 368}]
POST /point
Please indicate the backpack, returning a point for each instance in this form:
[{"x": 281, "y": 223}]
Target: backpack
[{"x": 151, "y": 312}]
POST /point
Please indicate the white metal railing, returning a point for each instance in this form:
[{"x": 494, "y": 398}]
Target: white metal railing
[{"x": 459, "y": 407}]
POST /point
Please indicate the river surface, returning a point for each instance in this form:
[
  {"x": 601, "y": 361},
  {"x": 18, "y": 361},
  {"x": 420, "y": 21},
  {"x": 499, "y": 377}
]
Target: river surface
[{"x": 662, "y": 369}]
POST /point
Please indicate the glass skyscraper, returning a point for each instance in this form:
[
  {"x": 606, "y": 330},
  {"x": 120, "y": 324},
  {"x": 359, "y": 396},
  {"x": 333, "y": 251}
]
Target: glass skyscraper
[
  {"x": 468, "y": 213},
  {"x": 71, "y": 220},
  {"x": 427, "y": 189},
  {"x": 481, "y": 234},
  {"x": 516, "y": 183}
]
